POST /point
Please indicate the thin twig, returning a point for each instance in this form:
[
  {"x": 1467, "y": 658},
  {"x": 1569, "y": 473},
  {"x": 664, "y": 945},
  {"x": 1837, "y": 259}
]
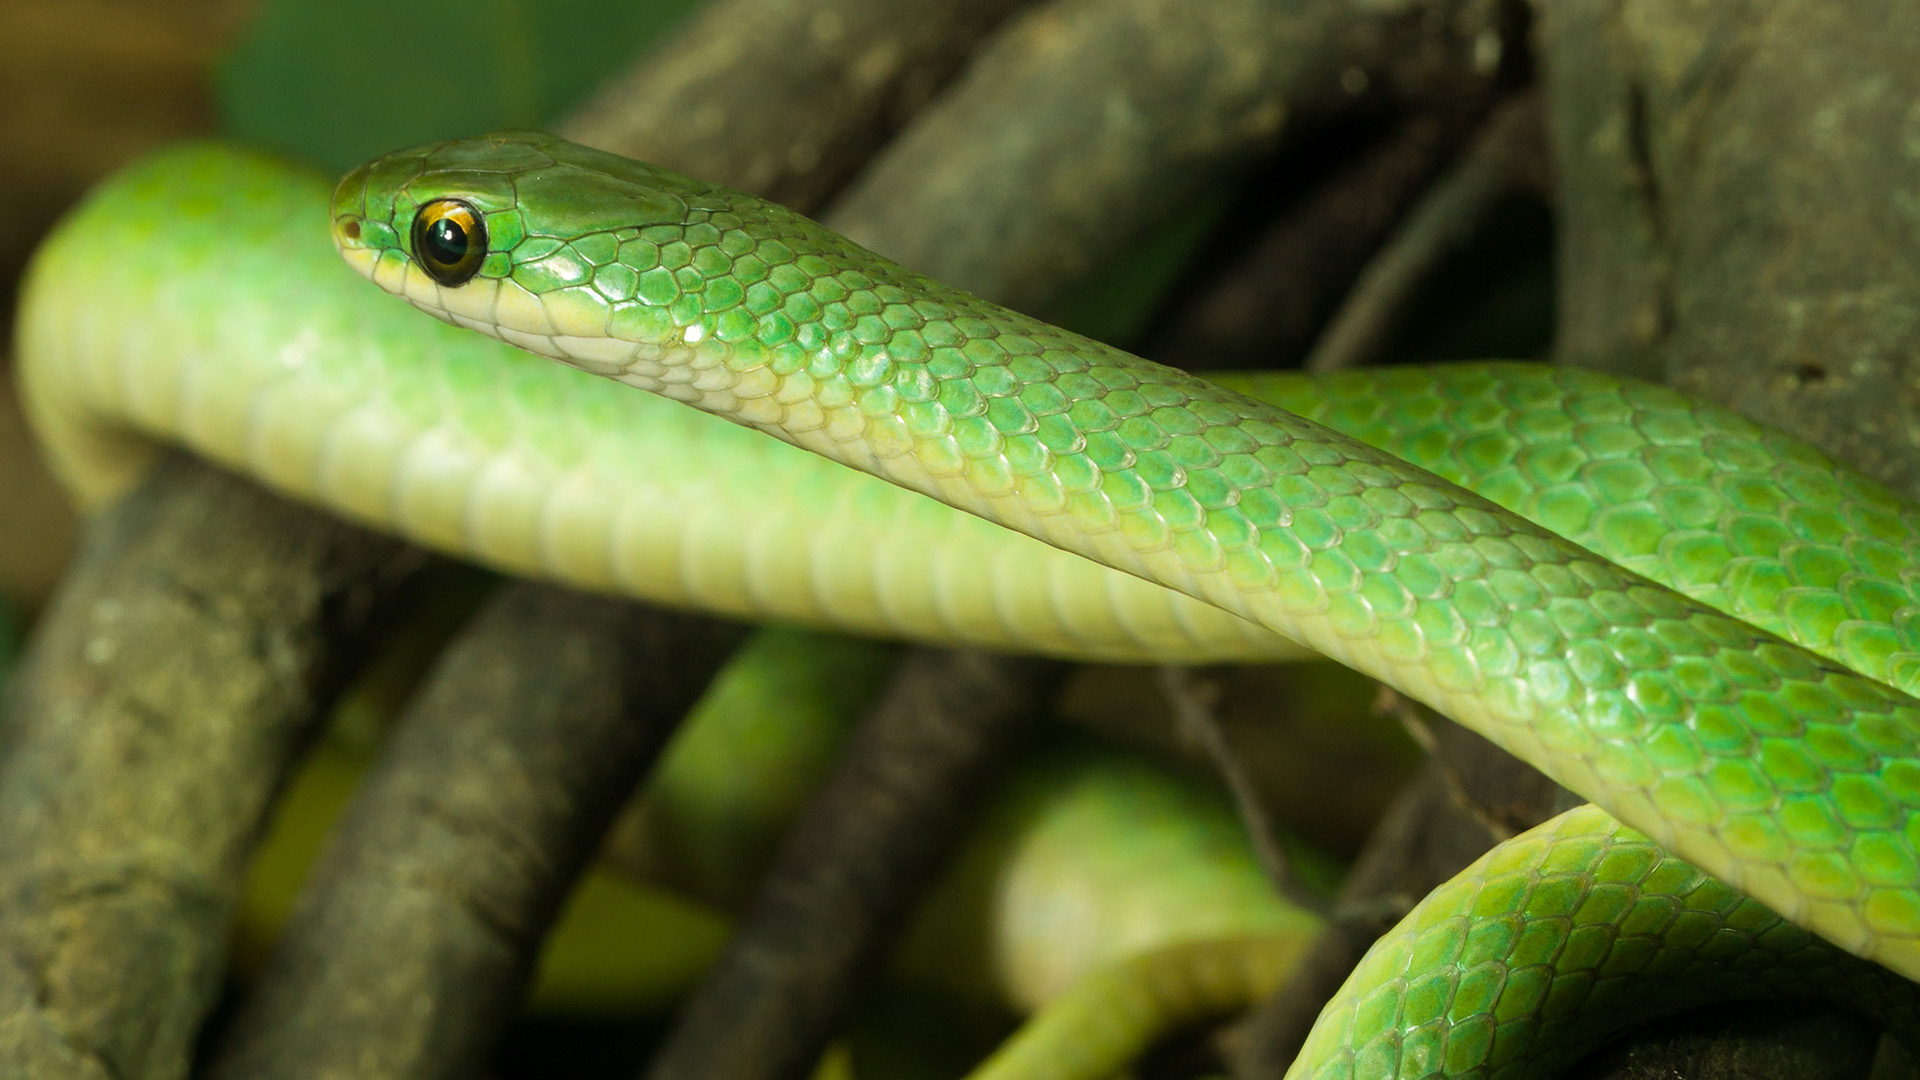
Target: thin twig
[
  {"x": 1260, "y": 300},
  {"x": 1195, "y": 712},
  {"x": 1470, "y": 795},
  {"x": 1506, "y": 154}
]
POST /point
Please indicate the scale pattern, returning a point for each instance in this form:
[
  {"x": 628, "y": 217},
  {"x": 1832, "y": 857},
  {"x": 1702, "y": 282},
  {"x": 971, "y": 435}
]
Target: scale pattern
[
  {"x": 311, "y": 383},
  {"x": 1552, "y": 944},
  {"x": 1699, "y": 498},
  {"x": 132, "y": 334},
  {"x": 306, "y": 380},
  {"x": 1785, "y": 774}
]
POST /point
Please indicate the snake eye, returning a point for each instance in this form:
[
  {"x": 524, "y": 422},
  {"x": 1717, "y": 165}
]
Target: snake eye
[{"x": 449, "y": 241}]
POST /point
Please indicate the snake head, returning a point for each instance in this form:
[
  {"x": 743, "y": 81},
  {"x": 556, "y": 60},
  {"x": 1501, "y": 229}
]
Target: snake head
[
  {"x": 708, "y": 296},
  {"x": 523, "y": 236}
]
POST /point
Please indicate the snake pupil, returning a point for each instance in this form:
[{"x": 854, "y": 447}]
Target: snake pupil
[{"x": 449, "y": 241}]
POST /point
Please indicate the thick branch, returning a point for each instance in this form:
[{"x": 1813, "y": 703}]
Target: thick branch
[
  {"x": 1731, "y": 222},
  {"x": 171, "y": 683},
  {"x": 1086, "y": 122},
  {"x": 1773, "y": 1040},
  {"x": 785, "y": 98},
  {"x": 1733, "y": 212},
  {"x": 413, "y": 942},
  {"x": 861, "y": 855}
]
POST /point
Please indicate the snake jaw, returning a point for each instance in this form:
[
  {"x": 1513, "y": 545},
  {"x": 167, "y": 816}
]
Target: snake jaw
[{"x": 362, "y": 259}]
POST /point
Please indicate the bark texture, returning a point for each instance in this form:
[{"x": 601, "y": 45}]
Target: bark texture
[
  {"x": 416, "y": 934},
  {"x": 865, "y": 850},
  {"x": 171, "y": 683},
  {"x": 785, "y": 98},
  {"x": 1087, "y": 122},
  {"x": 1738, "y": 210}
]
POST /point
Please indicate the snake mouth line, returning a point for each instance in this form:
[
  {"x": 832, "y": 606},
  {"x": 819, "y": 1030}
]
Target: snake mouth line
[{"x": 362, "y": 259}]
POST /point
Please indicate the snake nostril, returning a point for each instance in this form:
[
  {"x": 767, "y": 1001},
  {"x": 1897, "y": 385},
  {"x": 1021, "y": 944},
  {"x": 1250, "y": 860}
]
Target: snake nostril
[{"x": 350, "y": 230}]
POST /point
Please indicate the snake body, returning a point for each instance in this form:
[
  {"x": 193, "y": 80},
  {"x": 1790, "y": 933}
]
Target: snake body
[{"x": 1785, "y": 774}]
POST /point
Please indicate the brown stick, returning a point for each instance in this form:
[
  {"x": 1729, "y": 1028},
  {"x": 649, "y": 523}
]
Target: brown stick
[
  {"x": 172, "y": 681},
  {"x": 1261, "y": 299},
  {"x": 862, "y": 853},
  {"x": 1087, "y": 122},
  {"x": 1471, "y": 796},
  {"x": 785, "y": 98},
  {"x": 413, "y": 941},
  {"x": 1196, "y": 716},
  {"x": 1732, "y": 215},
  {"x": 1507, "y": 153}
]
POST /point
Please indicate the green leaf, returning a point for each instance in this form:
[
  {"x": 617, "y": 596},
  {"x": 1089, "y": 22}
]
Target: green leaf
[{"x": 341, "y": 81}]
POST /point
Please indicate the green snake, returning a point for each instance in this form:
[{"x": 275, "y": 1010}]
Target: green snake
[{"x": 1746, "y": 718}]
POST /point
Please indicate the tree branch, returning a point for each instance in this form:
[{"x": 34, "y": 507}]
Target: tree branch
[
  {"x": 864, "y": 851},
  {"x": 416, "y": 934},
  {"x": 170, "y": 685}
]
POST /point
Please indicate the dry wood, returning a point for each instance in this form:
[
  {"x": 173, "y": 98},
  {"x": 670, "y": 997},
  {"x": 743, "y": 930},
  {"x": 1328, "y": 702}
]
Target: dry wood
[
  {"x": 168, "y": 689},
  {"x": 785, "y": 98},
  {"x": 1087, "y": 122},
  {"x": 413, "y": 941},
  {"x": 911, "y": 778}
]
